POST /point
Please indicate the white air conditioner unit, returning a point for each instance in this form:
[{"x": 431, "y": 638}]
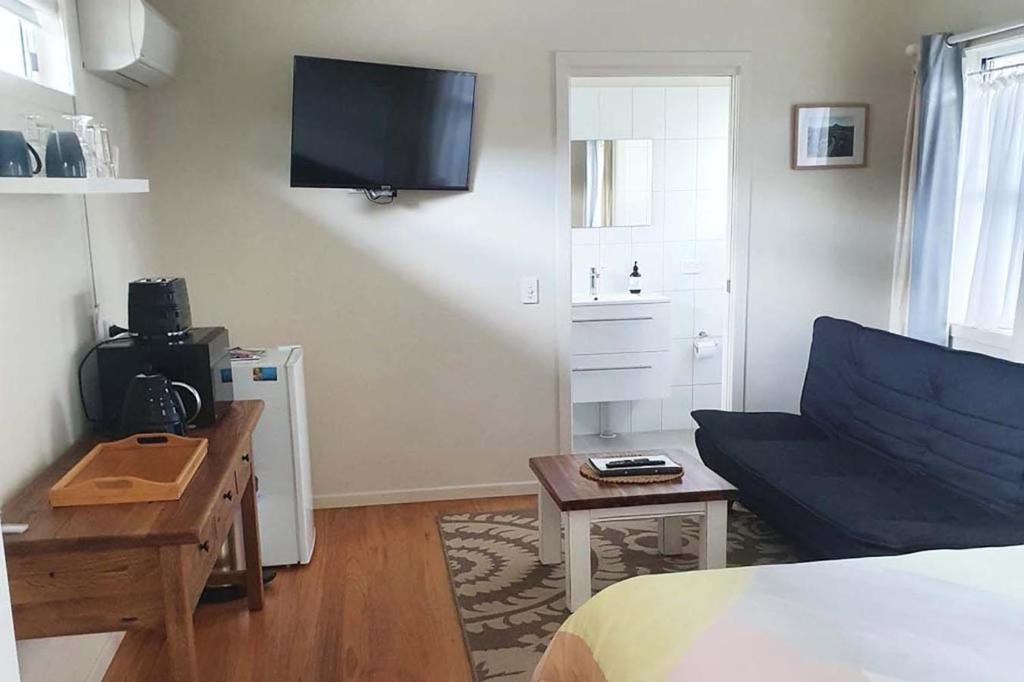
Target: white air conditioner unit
[{"x": 127, "y": 42}]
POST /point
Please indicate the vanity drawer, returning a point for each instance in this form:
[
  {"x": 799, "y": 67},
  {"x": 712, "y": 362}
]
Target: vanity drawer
[
  {"x": 620, "y": 328},
  {"x": 620, "y": 376}
]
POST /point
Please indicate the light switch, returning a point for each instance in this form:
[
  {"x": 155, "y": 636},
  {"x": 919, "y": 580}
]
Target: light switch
[{"x": 529, "y": 290}]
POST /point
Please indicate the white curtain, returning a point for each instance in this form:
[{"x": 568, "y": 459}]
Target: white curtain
[
  {"x": 989, "y": 250},
  {"x": 899, "y": 306}
]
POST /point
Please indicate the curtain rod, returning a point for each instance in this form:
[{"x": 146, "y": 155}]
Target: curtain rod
[{"x": 980, "y": 33}]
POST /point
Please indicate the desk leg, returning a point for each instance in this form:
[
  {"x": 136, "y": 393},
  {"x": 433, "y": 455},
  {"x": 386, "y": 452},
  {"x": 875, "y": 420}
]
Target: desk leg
[
  {"x": 251, "y": 538},
  {"x": 577, "y": 558},
  {"x": 181, "y": 638},
  {"x": 550, "y": 529}
]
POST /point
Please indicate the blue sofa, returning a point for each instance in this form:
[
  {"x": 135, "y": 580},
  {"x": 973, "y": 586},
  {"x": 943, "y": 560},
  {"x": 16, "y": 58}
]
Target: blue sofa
[{"x": 900, "y": 446}]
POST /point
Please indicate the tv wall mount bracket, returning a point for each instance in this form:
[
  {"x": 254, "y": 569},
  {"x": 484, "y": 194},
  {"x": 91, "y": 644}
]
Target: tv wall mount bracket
[{"x": 381, "y": 195}]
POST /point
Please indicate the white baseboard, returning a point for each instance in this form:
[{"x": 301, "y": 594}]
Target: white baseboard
[
  {"x": 452, "y": 492},
  {"x": 80, "y": 658},
  {"x": 105, "y": 656}
]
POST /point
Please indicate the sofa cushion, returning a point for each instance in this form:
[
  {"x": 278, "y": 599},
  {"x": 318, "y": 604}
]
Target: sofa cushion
[
  {"x": 839, "y": 499},
  {"x": 952, "y": 417}
]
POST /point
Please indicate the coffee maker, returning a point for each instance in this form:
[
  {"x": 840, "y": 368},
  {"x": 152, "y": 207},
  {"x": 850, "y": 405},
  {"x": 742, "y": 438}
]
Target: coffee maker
[{"x": 162, "y": 341}]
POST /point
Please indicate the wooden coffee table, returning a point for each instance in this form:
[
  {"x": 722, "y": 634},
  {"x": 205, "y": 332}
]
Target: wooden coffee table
[{"x": 567, "y": 498}]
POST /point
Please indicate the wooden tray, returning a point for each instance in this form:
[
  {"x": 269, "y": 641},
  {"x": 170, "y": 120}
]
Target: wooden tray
[{"x": 147, "y": 467}]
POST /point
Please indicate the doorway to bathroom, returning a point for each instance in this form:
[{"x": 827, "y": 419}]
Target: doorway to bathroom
[{"x": 652, "y": 212}]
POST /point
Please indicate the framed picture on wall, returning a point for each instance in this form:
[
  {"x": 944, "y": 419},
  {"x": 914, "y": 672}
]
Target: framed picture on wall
[{"x": 830, "y": 136}]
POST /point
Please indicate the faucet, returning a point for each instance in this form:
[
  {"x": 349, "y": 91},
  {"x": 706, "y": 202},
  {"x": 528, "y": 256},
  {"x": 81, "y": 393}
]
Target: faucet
[{"x": 594, "y": 277}]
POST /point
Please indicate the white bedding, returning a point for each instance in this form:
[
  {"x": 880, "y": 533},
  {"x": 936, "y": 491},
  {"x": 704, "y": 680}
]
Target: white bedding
[{"x": 932, "y": 617}]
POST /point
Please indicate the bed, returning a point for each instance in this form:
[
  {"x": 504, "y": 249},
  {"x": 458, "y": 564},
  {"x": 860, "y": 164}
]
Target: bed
[{"x": 931, "y": 616}]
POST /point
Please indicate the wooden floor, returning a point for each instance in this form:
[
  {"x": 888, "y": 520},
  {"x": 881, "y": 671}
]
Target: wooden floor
[{"x": 374, "y": 604}]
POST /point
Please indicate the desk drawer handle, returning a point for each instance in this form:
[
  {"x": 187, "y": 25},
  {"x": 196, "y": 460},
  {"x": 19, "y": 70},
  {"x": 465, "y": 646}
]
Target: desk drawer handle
[
  {"x": 205, "y": 546},
  {"x": 613, "y": 319},
  {"x": 245, "y": 458},
  {"x": 612, "y": 369},
  {"x": 229, "y": 496}
]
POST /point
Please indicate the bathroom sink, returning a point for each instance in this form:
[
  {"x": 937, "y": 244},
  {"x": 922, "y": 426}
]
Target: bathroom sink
[{"x": 619, "y": 299}]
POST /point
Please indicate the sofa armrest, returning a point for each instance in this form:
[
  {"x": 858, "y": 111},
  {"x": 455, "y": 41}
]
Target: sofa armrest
[{"x": 756, "y": 425}]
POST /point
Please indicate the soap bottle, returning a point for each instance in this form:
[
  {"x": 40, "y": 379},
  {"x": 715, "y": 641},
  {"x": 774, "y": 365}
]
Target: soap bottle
[{"x": 634, "y": 279}]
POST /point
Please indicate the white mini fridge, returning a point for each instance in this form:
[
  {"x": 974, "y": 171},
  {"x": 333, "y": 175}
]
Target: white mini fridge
[{"x": 280, "y": 448}]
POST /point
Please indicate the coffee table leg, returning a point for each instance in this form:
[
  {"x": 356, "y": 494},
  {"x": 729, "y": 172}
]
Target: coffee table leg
[
  {"x": 550, "y": 528},
  {"x": 670, "y": 535},
  {"x": 577, "y": 559},
  {"x": 714, "y": 530}
]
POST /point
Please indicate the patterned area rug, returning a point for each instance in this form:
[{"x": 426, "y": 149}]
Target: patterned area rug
[{"x": 510, "y": 604}]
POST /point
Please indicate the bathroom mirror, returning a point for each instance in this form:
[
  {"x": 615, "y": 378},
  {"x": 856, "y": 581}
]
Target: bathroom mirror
[{"x": 612, "y": 183}]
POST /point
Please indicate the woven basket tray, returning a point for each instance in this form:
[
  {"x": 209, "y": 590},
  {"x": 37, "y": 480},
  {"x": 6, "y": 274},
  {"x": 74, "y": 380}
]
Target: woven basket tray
[{"x": 588, "y": 472}]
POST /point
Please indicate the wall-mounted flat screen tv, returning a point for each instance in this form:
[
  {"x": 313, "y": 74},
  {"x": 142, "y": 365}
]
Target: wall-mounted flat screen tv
[{"x": 375, "y": 126}]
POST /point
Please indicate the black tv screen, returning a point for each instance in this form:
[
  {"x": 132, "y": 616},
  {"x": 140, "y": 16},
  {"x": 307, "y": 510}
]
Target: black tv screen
[{"x": 369, "y": 126}]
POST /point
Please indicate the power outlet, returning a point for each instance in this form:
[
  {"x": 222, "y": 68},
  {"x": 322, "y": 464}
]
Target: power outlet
[
  {"x": 101, "y": 325},
  {"x": 97, "y": 325},
  {"x": 529, "y": 290}
]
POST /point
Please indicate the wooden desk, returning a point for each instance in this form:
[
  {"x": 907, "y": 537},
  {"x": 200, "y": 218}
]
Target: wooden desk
[{"x": 130, "y": 566}]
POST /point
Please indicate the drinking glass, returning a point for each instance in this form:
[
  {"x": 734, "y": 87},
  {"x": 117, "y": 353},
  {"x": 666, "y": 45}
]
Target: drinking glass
[
  {"x": 107, "y": 153},
  {"x": 99, "y": 169},
  {"x": 37, "y": 131},
  {"x": 80, "y": 125}
]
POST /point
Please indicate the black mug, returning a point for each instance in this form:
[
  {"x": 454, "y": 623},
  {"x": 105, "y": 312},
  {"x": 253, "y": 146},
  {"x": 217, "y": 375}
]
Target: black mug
[
  {"x": 64, "y": 157},
  {"x": 17, "y": 155}
]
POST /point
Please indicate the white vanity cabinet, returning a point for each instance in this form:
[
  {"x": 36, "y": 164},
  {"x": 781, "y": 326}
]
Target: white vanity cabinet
[{"x": 620, "y": 349}]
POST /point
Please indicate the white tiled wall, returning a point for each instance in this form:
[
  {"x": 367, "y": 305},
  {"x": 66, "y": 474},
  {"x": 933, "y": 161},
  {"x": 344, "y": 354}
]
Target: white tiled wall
[{"x": 684, "y": 253}]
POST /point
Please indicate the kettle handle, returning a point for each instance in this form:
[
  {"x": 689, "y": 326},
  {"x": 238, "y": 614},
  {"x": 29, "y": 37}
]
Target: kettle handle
[
  {"x": 35, "y": 157},
  {"x": 195, "y": 395}
]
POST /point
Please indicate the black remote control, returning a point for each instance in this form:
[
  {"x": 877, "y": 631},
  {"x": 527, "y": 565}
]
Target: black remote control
[{"x": 626, "y": 463}]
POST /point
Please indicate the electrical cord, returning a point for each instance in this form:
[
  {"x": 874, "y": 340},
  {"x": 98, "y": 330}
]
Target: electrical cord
[{"x": 81, "y": 366}]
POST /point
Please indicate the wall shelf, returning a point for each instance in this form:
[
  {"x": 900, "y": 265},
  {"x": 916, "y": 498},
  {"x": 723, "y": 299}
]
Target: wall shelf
[{"x": 39, "y": 185}]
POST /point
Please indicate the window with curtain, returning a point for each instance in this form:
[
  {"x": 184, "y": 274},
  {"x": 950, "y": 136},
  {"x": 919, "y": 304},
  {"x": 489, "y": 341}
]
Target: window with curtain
[
  {"x": 989, "y": 242},
  {"x": 33, "y": 43}
]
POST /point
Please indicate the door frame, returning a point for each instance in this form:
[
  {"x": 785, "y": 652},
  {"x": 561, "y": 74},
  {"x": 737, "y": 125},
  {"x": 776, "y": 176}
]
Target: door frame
[{"x": 735, "y": 65}]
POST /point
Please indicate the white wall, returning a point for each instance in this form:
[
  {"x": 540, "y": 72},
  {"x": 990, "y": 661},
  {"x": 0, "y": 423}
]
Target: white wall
[
  {"x": 45, "y": 292},
  {"x": 45, "y": 287},
  {"x": 939, "y": 16},
  {"x": 688, "y": 121},
  {"x": 425, "y": 371},
  {"x": 46, "y": 298}
]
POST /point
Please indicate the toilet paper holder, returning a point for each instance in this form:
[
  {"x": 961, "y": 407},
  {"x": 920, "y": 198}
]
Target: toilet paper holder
[{"x": 704, "y": 347}]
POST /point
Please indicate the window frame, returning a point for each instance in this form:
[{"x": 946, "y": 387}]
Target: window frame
[
  {"x": 1008, "y": 344},
  {"x": 54, "y": 53},
  {"x": 976, "y": 55}
]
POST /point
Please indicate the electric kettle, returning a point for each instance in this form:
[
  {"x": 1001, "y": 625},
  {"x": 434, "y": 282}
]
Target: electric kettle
[{"x": 153, "y": 404}]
